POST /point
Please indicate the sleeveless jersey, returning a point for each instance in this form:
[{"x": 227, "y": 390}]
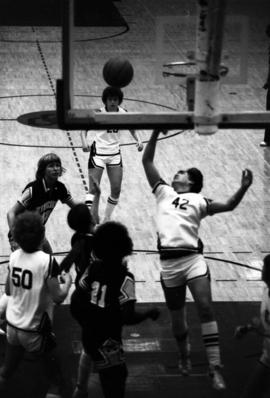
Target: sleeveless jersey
[
  {"x": 30, "y": 299},
  {"x": 178, "y": 219}
]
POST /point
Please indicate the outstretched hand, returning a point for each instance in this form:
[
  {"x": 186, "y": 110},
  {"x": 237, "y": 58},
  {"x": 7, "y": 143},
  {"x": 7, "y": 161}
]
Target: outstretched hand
[{"x": 247, "y": 178}]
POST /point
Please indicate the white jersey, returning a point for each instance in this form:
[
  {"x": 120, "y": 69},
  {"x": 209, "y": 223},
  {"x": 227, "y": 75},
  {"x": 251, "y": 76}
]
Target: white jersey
[
  {"x": 29, "y": 298},
  {"x": 178, "y": 218},
  {"x": 107, "y": 142},
  {"x": 265, "y": 310}
]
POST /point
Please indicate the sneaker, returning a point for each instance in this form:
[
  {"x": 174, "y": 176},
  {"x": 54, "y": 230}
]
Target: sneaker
[
  {"x": 184, "y": 365},
  {"x": 264, "y": 143},
  {"x": 218, "y": 382}
]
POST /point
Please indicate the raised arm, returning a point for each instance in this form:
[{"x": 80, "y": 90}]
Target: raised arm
[
  {"x": 235, "y": 199},
  {"x": 150, "y": 169}
]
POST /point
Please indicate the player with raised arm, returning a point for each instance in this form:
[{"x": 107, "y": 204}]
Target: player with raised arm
[{"x": 180, "y": 209}]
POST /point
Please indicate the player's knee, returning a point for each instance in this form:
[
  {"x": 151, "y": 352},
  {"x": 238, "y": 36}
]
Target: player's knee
[
  {"x": 115, "y": 192},
  {"x": 205, "y": 311}
]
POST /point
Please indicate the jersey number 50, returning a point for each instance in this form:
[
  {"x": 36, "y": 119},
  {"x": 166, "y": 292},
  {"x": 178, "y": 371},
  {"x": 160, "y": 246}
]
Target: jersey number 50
[{"x": 22, "y": 278}]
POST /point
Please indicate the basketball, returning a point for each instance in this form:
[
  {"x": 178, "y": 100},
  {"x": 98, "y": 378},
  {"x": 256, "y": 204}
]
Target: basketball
[{"x": 118, "y": 72}]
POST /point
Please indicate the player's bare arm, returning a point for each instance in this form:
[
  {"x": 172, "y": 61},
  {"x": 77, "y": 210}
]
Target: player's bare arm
[
  {"x": 137, "y": 138},
  {"x": 59, "y": 291},
  {"x": 233, "y": 201},
  {"x": 150, "y": 169},
  {"x": 13, "y": 212}
]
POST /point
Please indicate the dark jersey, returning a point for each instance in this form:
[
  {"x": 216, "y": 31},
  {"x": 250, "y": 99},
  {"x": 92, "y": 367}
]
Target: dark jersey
[
  {"x": 79, "y": 255},
  {"x": 96, "y": 304},
  {"x": 37, "y": 196}
]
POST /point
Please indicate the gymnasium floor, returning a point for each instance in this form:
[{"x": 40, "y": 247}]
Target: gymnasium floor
[{"x": 235, "y": 243}]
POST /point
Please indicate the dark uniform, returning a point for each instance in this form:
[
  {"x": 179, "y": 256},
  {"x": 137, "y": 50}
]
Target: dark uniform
[
  {"x": 97, "y": 305},
  {"x": 37, "y": 196}
]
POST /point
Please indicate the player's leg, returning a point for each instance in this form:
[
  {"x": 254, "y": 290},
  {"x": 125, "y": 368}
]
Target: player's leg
[
  {"x": 13, "y": 355},
  {"x": 175, "y": 299},
  {"x": 115, "y": 175},
  {"x": 95, "y": 171},
  {"x": 113, "y": 381},
  {"x": 200, "y": 289},
  {"x": 83, "y": 374}
]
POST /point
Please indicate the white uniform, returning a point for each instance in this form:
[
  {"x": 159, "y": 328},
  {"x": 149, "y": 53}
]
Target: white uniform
[
  {"x": 29, "y": 299},
  {"x": 265, "y": 319},
  {"x": 108, "y": 141},
  {"x": 105, "y": 149},
  {"x": 178, "y": 220}
]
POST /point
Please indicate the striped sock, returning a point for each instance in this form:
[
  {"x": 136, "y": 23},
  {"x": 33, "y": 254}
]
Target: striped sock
[
  {"x": 89, "y": 200},
  {"x": 111, "y": 203},
  {"x": 211, "y": 342}
]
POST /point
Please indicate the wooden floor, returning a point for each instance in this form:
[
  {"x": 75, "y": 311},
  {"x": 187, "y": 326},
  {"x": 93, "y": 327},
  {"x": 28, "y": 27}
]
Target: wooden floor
[{"x": 30, "y": 63}]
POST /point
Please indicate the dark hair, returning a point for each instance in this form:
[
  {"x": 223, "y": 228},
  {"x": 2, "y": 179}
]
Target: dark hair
[
  {"x": 196, "y": 178},
  {"x": 43, "y": 163},
  {"x": 111, "y": 241},
  {"x": 28, "y": 230},
  {"x": 79, "y": 218},
  {"x": 266, "y": 269},
  {"x": 112, "y": 92}
]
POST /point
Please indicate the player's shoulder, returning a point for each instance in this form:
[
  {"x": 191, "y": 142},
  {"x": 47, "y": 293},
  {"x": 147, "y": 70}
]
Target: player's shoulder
[{"x": 161, "y": 185}]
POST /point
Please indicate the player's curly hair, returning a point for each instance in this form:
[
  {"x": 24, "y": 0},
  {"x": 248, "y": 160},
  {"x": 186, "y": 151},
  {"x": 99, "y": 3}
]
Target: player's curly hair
[
  {"x": 111, "y": 241},
  {"x": 112, "y": 92},
  {"x": 43, "y": 163},
  {"x": 28, "y": 231},
  {"x": 79, "y": 218}
]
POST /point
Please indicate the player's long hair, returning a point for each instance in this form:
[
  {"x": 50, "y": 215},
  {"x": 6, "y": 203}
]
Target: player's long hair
[
  {"x": 43, "y": 163},
  {"x": 28, "y": 231},
  {"x": 111, "y": 241}
]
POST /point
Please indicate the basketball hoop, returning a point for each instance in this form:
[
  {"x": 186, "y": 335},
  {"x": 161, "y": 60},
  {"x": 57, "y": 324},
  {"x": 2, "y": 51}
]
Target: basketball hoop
[{"x": 188, "y": 69}]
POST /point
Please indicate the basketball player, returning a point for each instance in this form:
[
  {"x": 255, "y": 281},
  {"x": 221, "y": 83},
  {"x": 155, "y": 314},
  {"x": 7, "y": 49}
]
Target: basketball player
[
  {"x": 42, "y": 194},
  {"x": 103, "y": 301},
  {"x": 259, "y": 383},
  {"x": 32, "y": 287},
  {"x": 180, "y": 209},
  {"x": 105, "y": 152}
]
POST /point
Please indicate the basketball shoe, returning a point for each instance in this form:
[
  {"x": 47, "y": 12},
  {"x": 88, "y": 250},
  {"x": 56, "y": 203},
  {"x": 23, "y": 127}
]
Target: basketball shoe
[{"x": 218, "y": 382}]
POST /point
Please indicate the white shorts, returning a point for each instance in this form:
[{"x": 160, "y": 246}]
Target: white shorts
[
  {"x": 102, "y": 161},
  {"x": 179, "y": 271},
  {"x": 30, "y": 341}
]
